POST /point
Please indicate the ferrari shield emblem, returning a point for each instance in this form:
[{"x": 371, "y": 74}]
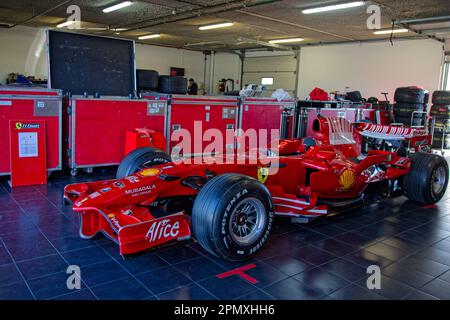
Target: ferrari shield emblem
[
  {"x": 347, "y": 179},
  {"x": 263, "y": 174}
]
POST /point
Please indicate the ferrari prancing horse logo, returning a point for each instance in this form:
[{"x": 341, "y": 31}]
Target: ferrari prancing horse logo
[{"x": 263, "y": 174}]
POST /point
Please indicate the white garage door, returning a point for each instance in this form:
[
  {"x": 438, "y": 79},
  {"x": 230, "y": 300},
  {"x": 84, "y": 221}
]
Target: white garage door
[{"x": 281, "y": 69}]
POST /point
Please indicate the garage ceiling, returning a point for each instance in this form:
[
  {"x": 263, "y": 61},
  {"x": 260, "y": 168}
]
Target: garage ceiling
[{"x": 255, "y": 21}]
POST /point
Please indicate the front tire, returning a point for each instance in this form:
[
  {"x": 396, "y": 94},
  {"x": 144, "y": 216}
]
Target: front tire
[
  {"x": 139, "y": 159},
  {"x": 428, "y": 179},
  {"x": 232, "y": 216}
]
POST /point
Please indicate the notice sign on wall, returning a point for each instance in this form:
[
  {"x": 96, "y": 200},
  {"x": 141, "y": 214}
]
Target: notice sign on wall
[
  {"x": 28, "y": 144},
  {"x": 28, "y": 152}
]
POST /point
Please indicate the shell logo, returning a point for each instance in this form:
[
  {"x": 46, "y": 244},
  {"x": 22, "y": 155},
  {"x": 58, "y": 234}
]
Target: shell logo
[
  {"x": 149, "y": 172},
  {"x": 346, "y": 179}
]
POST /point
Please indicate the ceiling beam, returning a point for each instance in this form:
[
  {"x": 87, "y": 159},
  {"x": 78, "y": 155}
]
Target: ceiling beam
[
  {"x": 35, "y": 16},
  {"x": 436, "y": 30},
  {"x": 193, "y": 13},
  {"x": 257, "y": 15},
  {"x": 264, "y": 43},
  {"x": 419, "y": 32},
  {"x": 425, "y": 20}
]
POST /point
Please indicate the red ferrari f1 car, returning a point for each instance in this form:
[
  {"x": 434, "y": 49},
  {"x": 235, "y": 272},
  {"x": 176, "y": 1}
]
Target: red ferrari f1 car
[{"x": 229, "y": 207}]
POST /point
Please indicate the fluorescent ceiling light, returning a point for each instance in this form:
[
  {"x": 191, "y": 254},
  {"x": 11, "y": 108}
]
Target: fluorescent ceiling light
[
  {"x": 216, "y": 26},
  {"x": 150, "y": 36},
  {"x": 65, "y": 24},
  {"x": 286, "y": 40},
  {"x": 389, "y": 31},
  {"x": 118, "y": 6},
  {"x": 334, "y": 7}
]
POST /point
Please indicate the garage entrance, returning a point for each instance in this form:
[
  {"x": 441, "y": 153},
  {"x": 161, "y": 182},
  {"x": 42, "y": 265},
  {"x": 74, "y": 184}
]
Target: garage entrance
[{"x": 274, "y": 72}]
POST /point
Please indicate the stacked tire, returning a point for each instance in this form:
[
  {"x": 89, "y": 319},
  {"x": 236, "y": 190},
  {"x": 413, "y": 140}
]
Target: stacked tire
[
  {"x": 407, "y": 101},
  {"x": 440, "y": 111},
  {"x": 174, "y": 85},
  {"x": 147, "y": 80}
]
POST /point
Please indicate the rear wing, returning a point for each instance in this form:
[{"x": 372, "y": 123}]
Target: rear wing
[
  {"x": 418, "y": 139},
  {"x": 391, "y": 132}
]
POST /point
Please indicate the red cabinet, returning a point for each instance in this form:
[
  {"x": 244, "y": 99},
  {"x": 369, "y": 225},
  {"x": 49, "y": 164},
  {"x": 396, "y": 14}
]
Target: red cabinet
[
  {"x": 95, "y": 129},
  {"x": 264, "y": 113},
  {"x": 17, "y": 103}
]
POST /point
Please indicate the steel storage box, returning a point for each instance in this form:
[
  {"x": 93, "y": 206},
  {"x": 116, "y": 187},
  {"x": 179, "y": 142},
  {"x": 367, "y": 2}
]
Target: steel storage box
[
  {"x": 30, "y": 103},
  {"x": 212, "y": 112},
  {"x": 96, "y": 128},
  {"x": 264, "y": 113}
]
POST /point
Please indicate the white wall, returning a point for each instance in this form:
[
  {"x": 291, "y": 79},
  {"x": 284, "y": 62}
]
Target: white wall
[
  {"x": 282, "y": 68},
  {"x": 23, "y": 50},
  {"x": 222, "y": 66},
  {"x": 227, "y": 66},
  {"x": 162, "y": 58},
  {"x": 371, "y": 68}
]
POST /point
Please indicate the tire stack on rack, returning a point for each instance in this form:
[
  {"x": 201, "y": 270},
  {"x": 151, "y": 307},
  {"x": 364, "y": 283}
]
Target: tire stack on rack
[
  {"x": 174, "y": 85},
  {"x": 407, "y": 101},
  {"x": 147, "y": 80},
  {"x": 440, "y": 111}
]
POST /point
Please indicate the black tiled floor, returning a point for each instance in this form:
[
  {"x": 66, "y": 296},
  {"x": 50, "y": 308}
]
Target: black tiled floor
[
  {"x": 292, "y": 289},
  {"x": 420, "y": 295},
  {"x": 162, "y": 280},
  {"x": 288, "y": 264},
  {"x": 193, "y": 291},
  {"x": 365, "y": 258},
  {"x": 355, "y": 292},
  {"x": 228, "y": 288},
  {"x": 345, "y": 269},
  {"x": 438, "y": 288},
  {"x": 391, "y": 289},
  {"x": 413, "y": 278},
  {"x": 326, "y": 259},
  {"x": 321, "y": 280},
  {"x": 386, "y": 251},
  {"x": 123, "y": 289}
]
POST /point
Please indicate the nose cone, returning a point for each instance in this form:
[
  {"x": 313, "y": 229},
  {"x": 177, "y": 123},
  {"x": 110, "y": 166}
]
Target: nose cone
[
  {"x": 133, "y": 189},
  {"x": 98, "y": 197}
]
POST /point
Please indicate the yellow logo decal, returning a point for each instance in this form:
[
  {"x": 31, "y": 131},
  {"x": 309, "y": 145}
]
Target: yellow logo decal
[
  {"x": 149, "y": 172},
  {"x": 111, "y": 215},
  {"x": 263, "y": 174},
  {"x": 18, "y": 125},
  {"x": 347, "y": 179}
]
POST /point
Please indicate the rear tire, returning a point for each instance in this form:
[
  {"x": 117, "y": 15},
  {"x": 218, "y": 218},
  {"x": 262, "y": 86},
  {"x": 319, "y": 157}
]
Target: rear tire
[
  {"x": 440, "y": 111},
  {"x": 416, "y": 121},
  {"x": 174, "y": 85},
  {"x": 411, "y": 95},
  {"x": 438, "y": 137},
  {"x": 139, "y": 159},
  {"x": 147, "y": 80},
  {"x": 428, "y": 179},
  {"x": 441, "y": 97},
  {"x": 232, "y": 216},
  {"x": 406, "y": 109}
]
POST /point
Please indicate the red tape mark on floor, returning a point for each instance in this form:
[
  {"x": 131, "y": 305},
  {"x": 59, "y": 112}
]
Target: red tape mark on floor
[{"x": 240, "y": 272}]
